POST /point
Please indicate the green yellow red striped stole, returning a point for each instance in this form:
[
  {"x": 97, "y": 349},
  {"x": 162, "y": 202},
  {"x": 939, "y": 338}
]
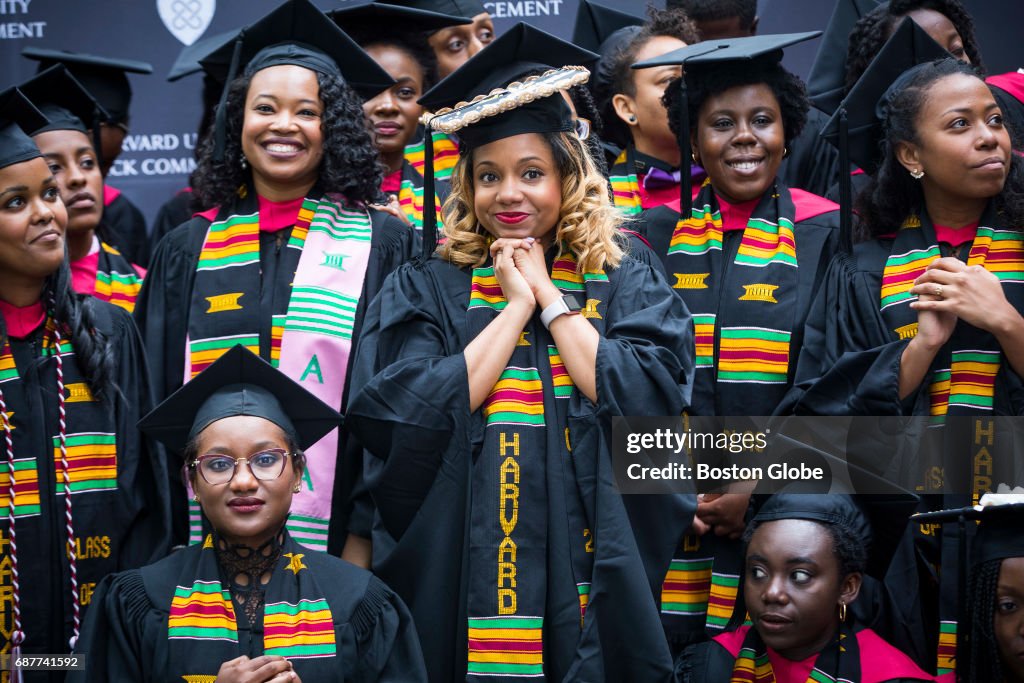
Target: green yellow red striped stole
[
  {"x": 310, "y": 337},
  {"x": 946, "y": 653},
  {"x": 202, "y": 623},
  {"x": 743, "y": 311},
  {"x": 116, "y": 280},
  {"x": 91, "y": 455},
  {"x": 625, "y": 186},
  {"x": 446, "y": 153},
  {"x": 521, "y": 466},
  {"x": 838, "y": 662},
  {"x": 410, "y": 196},
  {"x": 964, "y": 379}
]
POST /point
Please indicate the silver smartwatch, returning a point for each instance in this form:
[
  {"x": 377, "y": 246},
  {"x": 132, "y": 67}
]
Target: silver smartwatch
[{"x": 563, "y": 306}]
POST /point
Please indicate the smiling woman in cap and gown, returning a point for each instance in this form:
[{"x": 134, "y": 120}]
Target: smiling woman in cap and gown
[
  {"x": 97, "y": 267},
  {"x": 81, "y": 491},
  {"x": 488, "y": 378},
  {"x": 249, "y": 603},
  {"x": 287, "y": 254},
  {"x": 106, "y": 79}
]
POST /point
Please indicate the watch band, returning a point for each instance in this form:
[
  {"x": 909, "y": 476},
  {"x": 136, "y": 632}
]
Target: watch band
[{"x": 562, "y": 306}]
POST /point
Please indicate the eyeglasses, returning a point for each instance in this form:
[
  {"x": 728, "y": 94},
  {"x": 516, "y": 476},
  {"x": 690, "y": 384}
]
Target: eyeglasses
[
  {"x": 582, "y": 128},
  {"x": 265, "y": 465}
]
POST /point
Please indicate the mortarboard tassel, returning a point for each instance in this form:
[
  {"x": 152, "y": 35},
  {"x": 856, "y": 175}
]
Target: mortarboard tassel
[
  {"x": 429, "y": 205},
  {"x": 685, "y": 180},
  {"x": 845, "y": 187},
  {"x": 221, "y": 120}
]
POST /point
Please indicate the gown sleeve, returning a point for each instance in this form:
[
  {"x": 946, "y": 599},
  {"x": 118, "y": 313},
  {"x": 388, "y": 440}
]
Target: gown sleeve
[
  {"x": 387, "y": 647},
  {"x": 120, "y": 632},
  {"x": 645, "y": 357},
  {"x": 144, "y": 474},
  {"x": 849, "y": 363},
  {"x": 410, "y": 382}
]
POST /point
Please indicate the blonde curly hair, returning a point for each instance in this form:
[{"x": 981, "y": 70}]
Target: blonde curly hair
[{"x": 588, "y": 223}]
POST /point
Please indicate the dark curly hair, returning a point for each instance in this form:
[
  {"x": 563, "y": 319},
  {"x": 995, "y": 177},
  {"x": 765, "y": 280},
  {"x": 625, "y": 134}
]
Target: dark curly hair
[
  {"x": 892, "y": 194},
  {"x": 673, "y": 23},
  {"x": 714, "y": 10},
  {"x": 712, "y": 79},
  {"x": 349, "y": 167},
  {"x": 875, "y": 27},
  {"x": 412, "y": 43},
  {"x": 977, "y": 652},
  {"x": 76, "y": 317}
]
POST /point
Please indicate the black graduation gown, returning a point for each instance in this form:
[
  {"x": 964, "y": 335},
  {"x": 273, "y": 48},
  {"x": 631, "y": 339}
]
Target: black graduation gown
[
  {"x": 410, "y": 408},
  {"x": 162, "y": 311},
  {"x": 173, "y": 212},
  {"x": 127, "y": 227},
  {"x": 812, "y": 163},
  {"x": 126, "y": 638},
  {"x": 117, "y": 529}
]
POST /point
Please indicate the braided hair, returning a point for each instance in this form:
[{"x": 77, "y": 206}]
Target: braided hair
[
  {"x": 875, "y": 27},
  {"x": 977, "y": 652},
  {"x": 892, "y": 194}
]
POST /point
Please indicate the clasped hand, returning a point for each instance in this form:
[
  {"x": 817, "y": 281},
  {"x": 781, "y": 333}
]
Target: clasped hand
[
  {"x": 949, "y": 290},
  {"x": 522, "y": 272}
]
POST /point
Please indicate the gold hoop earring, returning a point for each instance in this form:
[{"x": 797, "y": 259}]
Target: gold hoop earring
[
  {"x": 917, "y": 174},
  {"x": 785, "y": 152},
  {"x": 842, "y": 611},
  {"x": 696, "y": 159}
]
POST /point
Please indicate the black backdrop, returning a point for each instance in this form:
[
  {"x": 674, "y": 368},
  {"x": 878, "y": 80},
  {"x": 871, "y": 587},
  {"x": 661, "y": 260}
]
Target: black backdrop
[{"x": 157, "y": 155}]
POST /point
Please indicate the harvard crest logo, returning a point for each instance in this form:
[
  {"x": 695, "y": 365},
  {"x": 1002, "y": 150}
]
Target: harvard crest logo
[{"x": 186, "y": 19}]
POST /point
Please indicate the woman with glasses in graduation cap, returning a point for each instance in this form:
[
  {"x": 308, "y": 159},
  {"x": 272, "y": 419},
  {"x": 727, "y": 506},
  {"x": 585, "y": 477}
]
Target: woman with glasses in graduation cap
[
  {"x": 746, "y": 259},
  {"x": 97, "y": 267},
  {"x": 249, "y": 604},
  {"x": 492, "y": 372},
  {"x": 81, "y": 490},
  {"x": 288, "y": 253},
  {"x": 106, "y": 79},
  {"x": 805, "y": 560}
]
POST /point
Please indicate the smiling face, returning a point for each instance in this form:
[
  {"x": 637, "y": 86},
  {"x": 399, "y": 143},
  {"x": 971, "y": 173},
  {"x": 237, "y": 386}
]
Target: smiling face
[
  {"x": 517, "y": 187},
  {"x": 793, "y": 588},
  {"x": 454, "y": 45},
  {"x": 394, "y": 114},
  {"x": 962, "y": 145},
  {"x": 32, "y": 221},
  {"x": 1009, "y": 617},
  {"x": 72, "y": 161},
  {"x": 282, "y": 138},
  {"x": 740, "y": 141},
  {"x": 246, "y": 510}
]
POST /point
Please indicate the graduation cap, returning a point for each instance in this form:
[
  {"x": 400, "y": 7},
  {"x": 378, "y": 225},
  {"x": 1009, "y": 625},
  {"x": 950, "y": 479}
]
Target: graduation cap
[
  {"x": 104, "y": 77},
  {"x": 826, "y": 83},
  {"x": 17, "y": 116},
  {"x": 240, "y": 383},
  {"x": 394, "y": 18},
  {"x": 715, "y": 53},
  {"x": 875, "y": 508},
  {"x": 187, "y": 62},
  {"x": 856, "y": 127},
  {"x": 1000, "y": 526},
  {"x": 595, "y": 24},
  {"x": 295, "y": 33},
  {"x": 490, "y": 103},
  {"x": 457, "y": 8},
  {"x": 65, "y": 103}
]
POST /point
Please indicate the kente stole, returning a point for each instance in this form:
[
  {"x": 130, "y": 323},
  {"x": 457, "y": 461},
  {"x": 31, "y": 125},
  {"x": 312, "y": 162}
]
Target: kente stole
[
  {"x": 311, "y": 339},
  {"x": 964, "y": 371},
  {"x": 202, "y": 624},
  {"x": 446, "y": 153},
  {"x": 116, "y": 279},
  {"x": 837, "y": 661},
  {"x": 410, "y": 196},
  {"x": 525, "y": 462},
  {"x": 625, "y": 186}
]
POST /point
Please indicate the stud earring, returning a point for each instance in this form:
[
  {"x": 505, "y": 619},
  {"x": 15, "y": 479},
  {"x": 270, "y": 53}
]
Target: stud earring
[
  {"x": 244, "y": 161},
  {"x": 917, "y": 174},
  {"x": 195, "y": 498},
  {"x": 297, "y": 487},
  {"x": 632, "y": 118}
]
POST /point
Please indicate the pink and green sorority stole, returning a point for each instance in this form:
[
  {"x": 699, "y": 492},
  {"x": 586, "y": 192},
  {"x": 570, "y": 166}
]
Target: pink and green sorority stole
[
  {"x": 625, "y": 186},
  {"x": 311, "y": 339},
  {"x": 964, "y": 381},
  {"x": 202, "y": 623},
  {"x": 524, "y": 485},
  {"x": 116, "y": 279}
]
